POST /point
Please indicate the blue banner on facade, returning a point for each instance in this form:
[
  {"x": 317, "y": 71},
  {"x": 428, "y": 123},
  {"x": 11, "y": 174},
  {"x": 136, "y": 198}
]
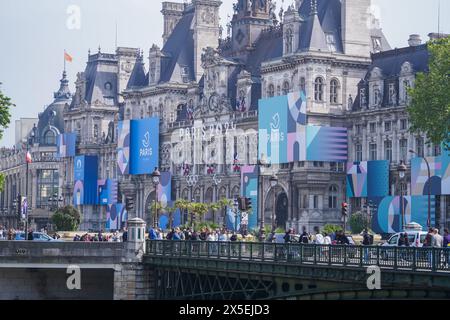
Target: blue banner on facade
[
  {"x": 66, "y": 145},
  {"x": 249, "y": 187},
  {"x": 144, "y": 153},
  {"x": 107, "y": 191},
  {"x": 86, "y": 176}
]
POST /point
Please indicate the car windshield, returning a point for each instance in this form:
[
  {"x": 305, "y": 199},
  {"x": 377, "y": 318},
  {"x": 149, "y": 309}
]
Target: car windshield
[
  {"x": 411, "y": 238},
  {"x": 422, "y": 238},
  {"x": 393, "y": 240}
]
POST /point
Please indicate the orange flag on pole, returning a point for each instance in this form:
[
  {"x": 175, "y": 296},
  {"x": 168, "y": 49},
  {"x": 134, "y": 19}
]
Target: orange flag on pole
[{"x": 67, "y": 57}]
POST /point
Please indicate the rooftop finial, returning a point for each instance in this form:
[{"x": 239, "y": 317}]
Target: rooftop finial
[
  {"x": 313, "y": 7},
  {"x": 89, "y": 52},
  {"x": 99, "y": 49}
]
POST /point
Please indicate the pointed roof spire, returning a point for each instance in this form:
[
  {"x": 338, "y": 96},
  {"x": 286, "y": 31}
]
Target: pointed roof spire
[{"x": 64, "y": 91}]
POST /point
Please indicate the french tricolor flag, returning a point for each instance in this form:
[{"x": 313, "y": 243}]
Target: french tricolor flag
[{"x": 28, "y": 157}]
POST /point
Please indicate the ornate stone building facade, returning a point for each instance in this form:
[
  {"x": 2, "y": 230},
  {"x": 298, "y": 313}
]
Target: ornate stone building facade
[
  {"x": 322, "y": 47},
  {"x": 205, "y": 88},
  {"x": 44, "y": 179}
]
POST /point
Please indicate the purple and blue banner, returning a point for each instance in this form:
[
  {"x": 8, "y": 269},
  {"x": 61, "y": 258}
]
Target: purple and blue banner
[
  {"x": 327, "y": 144},
  {"x": 116, "y": 217},
  {"x": 123, "y": 147},
  {"x": 86, "y": 176},
  {"x": 387, "y": 217},
  {"x": 368, "y": 179},
  {"x": 284, "y": 135},
  {"x": 249, "y": 189},
  {"x": 66, "y": 143}
]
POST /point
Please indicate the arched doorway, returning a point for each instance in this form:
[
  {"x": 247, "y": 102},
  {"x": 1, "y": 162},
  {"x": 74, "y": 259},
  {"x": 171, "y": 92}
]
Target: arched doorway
[{"x": 282, "y": 209}]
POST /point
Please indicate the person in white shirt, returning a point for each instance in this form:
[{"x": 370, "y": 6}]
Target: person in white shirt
[
  {"x": 319, "y": 236},
  {"x": 327, "y": 239}
]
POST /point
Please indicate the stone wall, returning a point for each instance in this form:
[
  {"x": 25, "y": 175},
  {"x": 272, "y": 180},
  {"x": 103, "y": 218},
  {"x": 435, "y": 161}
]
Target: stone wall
[{"x": 51, "y": 284}]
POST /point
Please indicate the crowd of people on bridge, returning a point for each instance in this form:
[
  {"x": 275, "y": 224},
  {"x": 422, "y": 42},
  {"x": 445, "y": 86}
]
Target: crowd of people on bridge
[{"x": 101, "y": 237}]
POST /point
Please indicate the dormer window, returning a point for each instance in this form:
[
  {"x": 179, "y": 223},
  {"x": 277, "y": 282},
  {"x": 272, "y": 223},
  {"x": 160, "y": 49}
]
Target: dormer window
[
  {"x": 376, "y": 43},
  {"x": 271, "y": 91},
  {"x": 289, "y": 41},
  {"x": 286, "y": 88},
  {"x": 392, "y": 94},
  {"x": 331, "y": 42},
  {"x": 185, "y": 74}
]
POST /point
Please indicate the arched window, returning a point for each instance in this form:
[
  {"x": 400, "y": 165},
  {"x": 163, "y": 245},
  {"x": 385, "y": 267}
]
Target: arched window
[
  {"x": 302, "y": 84},
  {"x": 128, "y": 114},
  {"x": 334, "y": 91},
  {"x": 271, "y": 91},
  {"x": 286, "y": 88},
  {"x": 50, "y": 138},
  {"x": 332, "y": 198},
  {"x": 289, "y": 40},
  {"x": 96, "y": 133},
  {"x": 318, "y": 89}
]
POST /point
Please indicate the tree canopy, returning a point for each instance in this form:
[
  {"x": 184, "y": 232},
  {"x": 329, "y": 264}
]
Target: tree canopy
[
  {"x": 67, "y": 219},
  {"x": 429, "y": 109},
  {"x": 5, "y": 119}
]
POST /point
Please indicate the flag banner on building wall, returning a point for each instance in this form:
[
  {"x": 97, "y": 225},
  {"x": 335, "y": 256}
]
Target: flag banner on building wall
[
  {"x": 107, "y": 191},
  {"x": 387, "y": 217},
  {"x": 249, "y": 189},
  {"x": 285, "y": 136},
  {"x": 123, "y": 147},
  {"x": 116, "y": 217},
  {"x": 66, "y": 143},
  {"x": 165, "y": 198},
  {"x": 86, "y": 176},
  {"x": 144, "y": 146},
  {"x": 368, "y": 179}
]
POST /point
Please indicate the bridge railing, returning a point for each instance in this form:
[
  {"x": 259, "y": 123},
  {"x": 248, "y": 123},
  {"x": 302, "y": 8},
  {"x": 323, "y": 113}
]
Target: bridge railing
[{"x": 399, "y": 258}]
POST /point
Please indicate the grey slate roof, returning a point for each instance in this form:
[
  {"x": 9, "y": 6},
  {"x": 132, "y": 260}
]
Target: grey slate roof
[
  {"x": 390, "y": 63},
  {"x": 327, "y": 20},
  {"x": 138, "y": 78},
  {"x": 96, "y": 85},
  {"x": 179, "y": 51}
]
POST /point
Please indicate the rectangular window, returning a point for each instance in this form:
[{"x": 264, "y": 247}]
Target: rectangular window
[
  {"x": 373, "y": 127},
  {"x": 387, "y": 126},
  {"x": 388, "y": 150},
  {"x": 358, "y": 129},
  {"x": 420, "y": 148},
  {"x": 305, "y": 202},
  {"x": 437, "y": 151},
  {"x": 318, "y": 164},
  {"x": 373, "y": 152},
  {"x": 316, "y": 202},
  {"x": 301, "y": 164},
  {"x": 358, "y": 152},
  {"x": 403, "y": 124},
  {"x": 331, "y": 42},
  {"x": 403, "y": 149}
]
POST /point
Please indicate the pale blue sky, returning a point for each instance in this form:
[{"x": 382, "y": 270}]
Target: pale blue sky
[{"x": 34, "y": 35}]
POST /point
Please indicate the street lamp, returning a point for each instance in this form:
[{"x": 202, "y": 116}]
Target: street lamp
[
  {"x": 156, "y": 176},
  {"x": 273, "y": 183},
  {"x": 261, "y": 164},
  {"x": 429, "y": 187},
  {"x": 401, "y": 172}
]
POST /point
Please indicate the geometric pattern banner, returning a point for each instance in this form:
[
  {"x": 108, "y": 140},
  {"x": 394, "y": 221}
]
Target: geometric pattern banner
[
  {"x": 387, "y": 217},
  {"x": 357, "y": 179},
  {"x": 326, "y": 144},
  {"x": 419, "y": 176},
  {"x": 285, "y": 137},
  {"x": 123, "y": 147},
  {"x": 116, "y": 217}
]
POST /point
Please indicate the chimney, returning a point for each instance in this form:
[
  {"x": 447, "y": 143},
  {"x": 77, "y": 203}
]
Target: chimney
[{"x": 414, "y": 40}]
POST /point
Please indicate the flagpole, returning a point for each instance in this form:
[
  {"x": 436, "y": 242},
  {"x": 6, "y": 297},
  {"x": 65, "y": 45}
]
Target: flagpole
[{"x": 64, "y": 60}]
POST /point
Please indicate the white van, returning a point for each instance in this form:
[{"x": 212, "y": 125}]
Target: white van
[{"x": 416, "y": 239}]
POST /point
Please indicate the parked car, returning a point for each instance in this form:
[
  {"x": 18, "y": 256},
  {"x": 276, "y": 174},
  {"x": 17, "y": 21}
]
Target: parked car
[{"x": 37, "y": 236}]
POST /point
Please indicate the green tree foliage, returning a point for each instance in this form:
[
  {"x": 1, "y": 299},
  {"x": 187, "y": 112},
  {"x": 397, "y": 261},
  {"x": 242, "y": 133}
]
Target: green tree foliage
[
  {"x": 358, "y": 222},
  {"x": 5, "y": 119},
  {"x": 429, "y": 109},
  {"x": 330, "y": 228},
  {"x": 67, "y": 219}
]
